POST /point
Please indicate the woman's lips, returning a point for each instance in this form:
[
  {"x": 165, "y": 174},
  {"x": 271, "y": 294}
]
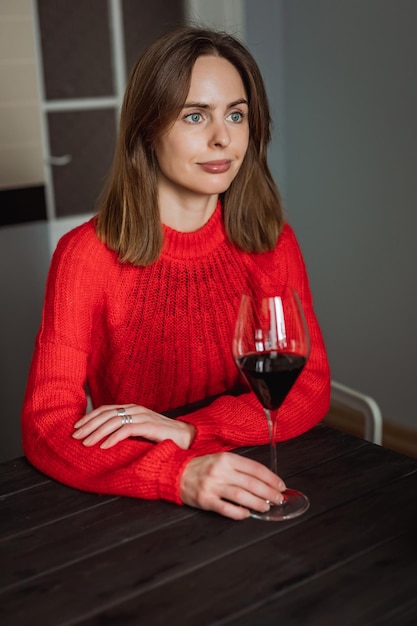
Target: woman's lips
[{"x": 215, "y": 167}]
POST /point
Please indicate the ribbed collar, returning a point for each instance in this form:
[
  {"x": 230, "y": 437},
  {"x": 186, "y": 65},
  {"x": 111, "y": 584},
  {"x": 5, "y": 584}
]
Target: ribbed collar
[{"x": 199, "y": 243}]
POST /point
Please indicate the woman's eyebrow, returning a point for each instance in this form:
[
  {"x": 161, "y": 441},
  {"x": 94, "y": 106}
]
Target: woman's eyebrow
[{"x": 204, "y": 105}]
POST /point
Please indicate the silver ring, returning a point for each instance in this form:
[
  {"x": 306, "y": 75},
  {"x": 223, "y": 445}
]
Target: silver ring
[
  {"x": 120, "y": 412},
  {"x": 126, "y": 419}
]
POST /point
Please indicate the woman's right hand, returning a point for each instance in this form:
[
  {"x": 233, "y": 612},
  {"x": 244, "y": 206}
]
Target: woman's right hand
[{"x": 230, "y": 484}]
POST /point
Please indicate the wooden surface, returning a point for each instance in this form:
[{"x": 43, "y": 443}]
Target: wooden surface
[{"x": 69, "y": 557}]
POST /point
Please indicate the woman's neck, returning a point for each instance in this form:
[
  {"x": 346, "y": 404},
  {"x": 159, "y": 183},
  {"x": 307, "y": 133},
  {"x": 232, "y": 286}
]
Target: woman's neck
[{"x": 186, "y": 214}]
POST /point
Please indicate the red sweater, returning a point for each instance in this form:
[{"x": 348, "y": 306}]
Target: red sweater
[{"x": 159, "y": 336}]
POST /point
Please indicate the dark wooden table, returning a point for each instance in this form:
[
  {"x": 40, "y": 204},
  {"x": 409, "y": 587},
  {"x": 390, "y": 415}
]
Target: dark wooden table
[{"x": 68, "y": 557}]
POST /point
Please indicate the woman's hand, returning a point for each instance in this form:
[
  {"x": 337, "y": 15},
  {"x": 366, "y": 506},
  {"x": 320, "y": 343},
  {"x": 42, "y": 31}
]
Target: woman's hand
[
  {"x": 113, "y": 423},
  {"x": 230, "y": 485}
]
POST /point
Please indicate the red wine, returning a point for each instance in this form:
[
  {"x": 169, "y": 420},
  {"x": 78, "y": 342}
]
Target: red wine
[{"x": 271, "y": 375}]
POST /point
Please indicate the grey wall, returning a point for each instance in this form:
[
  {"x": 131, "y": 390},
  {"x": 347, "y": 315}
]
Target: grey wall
[
  {"x": 24, "y": 260},
  {"x": 265, "y": 29},
  {"x": 347, "y": 70}
]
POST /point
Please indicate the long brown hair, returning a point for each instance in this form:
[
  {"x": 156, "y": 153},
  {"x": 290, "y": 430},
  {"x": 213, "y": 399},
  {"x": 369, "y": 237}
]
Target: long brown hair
[{"x": 129, "y": 221}]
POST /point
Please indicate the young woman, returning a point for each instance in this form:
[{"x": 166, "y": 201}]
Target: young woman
[{"x": 141, "y": 301}]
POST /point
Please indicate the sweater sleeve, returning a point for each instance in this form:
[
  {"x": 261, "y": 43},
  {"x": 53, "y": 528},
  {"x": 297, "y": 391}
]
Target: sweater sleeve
[
  {"x": 240, "y": 421},
  {"x": 55, "y": 396}
]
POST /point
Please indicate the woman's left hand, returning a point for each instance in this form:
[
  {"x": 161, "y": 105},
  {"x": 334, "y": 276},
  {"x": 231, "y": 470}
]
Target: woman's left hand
[{"x": 113, "y": 423}]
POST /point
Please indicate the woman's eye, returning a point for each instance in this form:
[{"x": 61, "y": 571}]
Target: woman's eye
[
  {"x": 193, "y": 118},
  {"x": 236, "y": 116}
]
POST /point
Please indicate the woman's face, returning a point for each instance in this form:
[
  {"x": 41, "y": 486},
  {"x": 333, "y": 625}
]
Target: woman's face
[{"x": 202, "y": 151}]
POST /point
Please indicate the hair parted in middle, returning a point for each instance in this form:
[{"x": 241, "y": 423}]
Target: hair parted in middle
[{"x": 129, "y": 221}]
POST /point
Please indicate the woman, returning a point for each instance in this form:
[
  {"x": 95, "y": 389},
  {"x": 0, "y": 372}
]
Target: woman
[{"x": 141, "y": 301}]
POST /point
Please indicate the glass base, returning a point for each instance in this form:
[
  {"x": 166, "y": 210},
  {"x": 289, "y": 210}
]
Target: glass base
[{"x": 294, "y": 504}]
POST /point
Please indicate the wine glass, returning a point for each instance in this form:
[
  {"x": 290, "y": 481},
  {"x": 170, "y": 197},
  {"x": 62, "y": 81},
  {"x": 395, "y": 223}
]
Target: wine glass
[{"x": 271, "y": 345}]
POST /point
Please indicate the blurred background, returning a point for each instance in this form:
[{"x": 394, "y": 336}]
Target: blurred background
[{"x": 341, "y": 79}]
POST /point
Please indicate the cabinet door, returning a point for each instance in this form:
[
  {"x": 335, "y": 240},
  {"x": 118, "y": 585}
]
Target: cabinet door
[
  {"x": 145, "y": 21},
  {"x": 86, "y": 140},
  {"x": 76, "y": 49}
]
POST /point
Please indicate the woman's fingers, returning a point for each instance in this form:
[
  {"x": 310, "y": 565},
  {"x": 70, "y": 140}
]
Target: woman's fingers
[
  {"x": 258, "y": 499},
  {"x": 230, "y": 485},
  {"x": 97, "y": 432},
  {"x": 228, "y": 509},
  {"x": 103, "y": 413},
  {"x": 255, "y": 487},
  {"x": 100, "y": 423}
]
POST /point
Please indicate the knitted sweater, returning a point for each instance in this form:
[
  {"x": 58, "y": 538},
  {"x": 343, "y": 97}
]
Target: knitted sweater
[{"x": 159, "y": 336}]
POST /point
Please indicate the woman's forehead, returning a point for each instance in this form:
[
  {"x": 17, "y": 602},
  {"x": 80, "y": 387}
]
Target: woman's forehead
[{"x": 214, "y": 78}]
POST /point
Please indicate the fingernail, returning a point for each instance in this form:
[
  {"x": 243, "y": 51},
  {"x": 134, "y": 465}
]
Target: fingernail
[
  {"x": 76, "y": 434},
  {"x": 282, "y": 486},
  {"x": 279, "y": 499},
  {"x": 267, "y": 506}
]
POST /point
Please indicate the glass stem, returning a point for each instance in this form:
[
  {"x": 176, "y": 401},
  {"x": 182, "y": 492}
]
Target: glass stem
[{"x": 272, "y": 426}]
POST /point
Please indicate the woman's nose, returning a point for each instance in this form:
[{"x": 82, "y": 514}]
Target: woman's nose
[{"x": 220, "y": 134}]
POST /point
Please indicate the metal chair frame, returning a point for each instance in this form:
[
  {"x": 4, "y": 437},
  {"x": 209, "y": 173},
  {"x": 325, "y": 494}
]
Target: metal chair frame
[{"x": 363, "y": 404}]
